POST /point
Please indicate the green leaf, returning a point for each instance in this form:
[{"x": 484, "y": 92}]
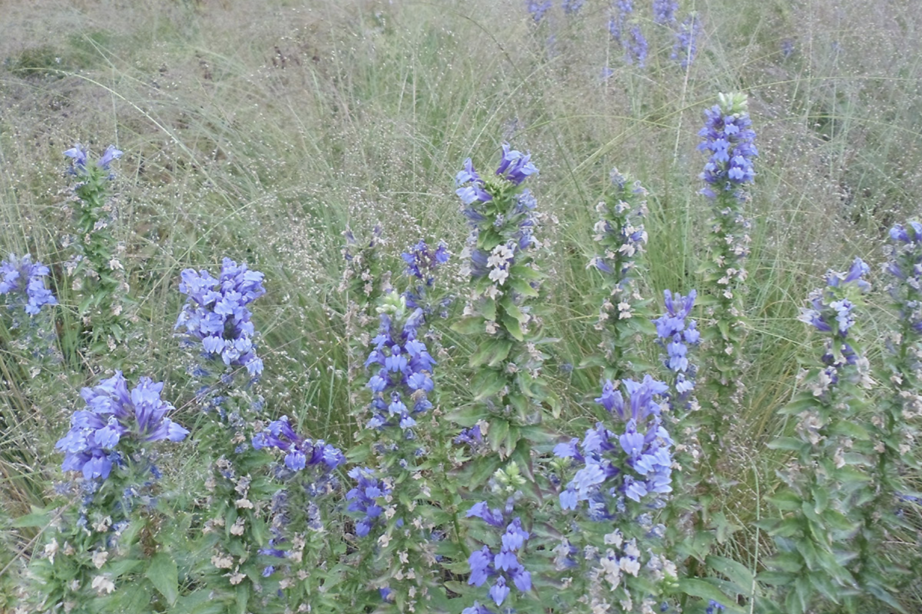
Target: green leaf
[
  {"x": 553, "y": 401},
  {"x": 725, "y": 529},
  {"x": 787, "y": 443},
  {"x": 808, "y": 550},
  {"x": 199, "y": 602},
  {"x": 458, "y": 587},
  {"x": 485, "y": 468},
  {"x": 243, "y": 597},
  {"x": 523, "y": 287},
  {"x": 644, "y": 326},
  {"x": 513, "y": 327},
  {"x": 122, "y": 566},
  {"x": 519, "y": 271},
  {"x": 776, "y": 578},
  {"x": 466, "y": 416},
  {"x": 487, "y": 383},
  {"x": 468, "y": 326},
  {"x": 737, "y": 573},
  {"x": 488, "y": 308},
  {"x": 820, "y": 500},
  {"x": 803, "y": 589},
  {"x": 837, "y": 521},
  {"x": 724, "y": 327},
  {"x": 163, "y": 574},
  {"x": 522, "y": 456},
  {"x": 705, "y": 590},
  {"x": 786, "y": 501},
  {"x": 801, "y": 402},
  {"x": 512, "y": 309},
  {"x": 491, "y": 352},
  {"x": 358, "y": 454},
  {"x": 787, "y": 562},
  {"x": 39, "y": 518},
  {"x": 499, "y": 428},
  {"x": 849, "y": 474},
  {"x": 851, "y": 429}
]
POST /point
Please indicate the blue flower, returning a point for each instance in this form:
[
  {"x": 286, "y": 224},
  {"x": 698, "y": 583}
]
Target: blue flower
[
  {"x": 108, "y": 157},
  {"x": 78, "y": 155},
  {"x": 729, "y": 139},
  {"x": 904, "y": 264},
  {"x": 675, "y": 335},
  {"x": 401, "y": 374},
  {"x": 685, "y": 47},
  {"x": 635, "y": 463},
  {"x": 617, "y": 22},
  {"x": 633, "y": 41},
  {"x": 422, "y": 261},
  {"x": 470, "y": 436},
  {"x": 216, "y": 313},
  {"x": 480, "y": 562},
  {"x": 115, "y": 414},
  {"x": 300, "y": 452},
  {"x": 364, "y": 498},
  {"x": 504, "y": 564},
  {"x": 832, "y": 313},
  {"x": 664, "y": 11},
  {"x": 477, "y": 608},
  {"x": 571, "y": 7},
  {"x": 471, "y": 190},
  {"x": 537, "y": 11},
  {"x": 26, "y": 280},
  {"x": 515, "y": 166},
  {"x": 499, "y": 591},
  {"x": 480, "y": 510},
  {"x": 635, "y": 47}
]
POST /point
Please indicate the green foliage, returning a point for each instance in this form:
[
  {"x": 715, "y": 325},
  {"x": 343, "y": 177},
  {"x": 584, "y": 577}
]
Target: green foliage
[{"x": 98, "y": 272}]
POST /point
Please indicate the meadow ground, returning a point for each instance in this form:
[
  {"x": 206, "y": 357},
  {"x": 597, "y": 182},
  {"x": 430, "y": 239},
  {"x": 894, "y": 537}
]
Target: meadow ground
[{"x": 261, "y": 131}]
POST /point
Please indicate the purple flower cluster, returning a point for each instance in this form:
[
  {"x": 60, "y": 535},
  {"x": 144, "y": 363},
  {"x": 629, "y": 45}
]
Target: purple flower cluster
[
  {"x": 22, "y": 277},
  {"x": 685, "y": 47},
  {"x": 571, "y": 7},
  {"x": 364, "y": 498},
  {"x": 422, "y": 263},
  {"x": 635, "y": 47},
  {"x": 216, "y": 313},
  {"x": 631, "y": 40},
  {"x": 114, "y": 414},
  {"x": 636, "y": 464},
  {"x": 538, "y": 9},
  {"x": 402, "y": 375},
  {"x": 675, "y": 336},
  {"x": 618, "y": 20},
  {"x": 664, "y": 11},
  {"x": 514, "y": 167},
  {"x": 904, "y": 263},
  {"x": 515, "y": 225},
  {"x": 472, "y": 437},
  {"x": 78, "y": 155},
  {"x": 504, "y": 565},
  {"x": 728, "y": 138},
  {"x": 831, "y": 313},
  {"x": 299, "y": 452}
]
